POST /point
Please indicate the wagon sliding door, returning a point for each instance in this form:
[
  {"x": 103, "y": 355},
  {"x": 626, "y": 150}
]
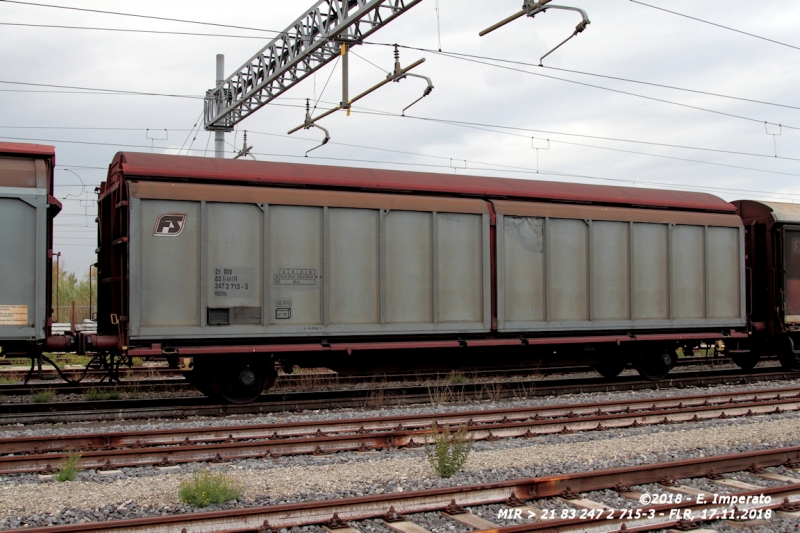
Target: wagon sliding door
[
  {"x": 562, "y": 267},
  {"x": 248, "y": 262}
]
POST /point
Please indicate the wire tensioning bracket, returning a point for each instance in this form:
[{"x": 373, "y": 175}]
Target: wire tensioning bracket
[
  {"x": 396, "y": 76},
  {"x": 310, "y": 123},
  {"x": 532, "y": 8}
]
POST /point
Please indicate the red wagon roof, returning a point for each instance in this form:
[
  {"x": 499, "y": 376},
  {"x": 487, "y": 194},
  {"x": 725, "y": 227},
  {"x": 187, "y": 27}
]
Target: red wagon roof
[
  {"x": 27, "y": 149},
  {"x": 142, "y": 165}
]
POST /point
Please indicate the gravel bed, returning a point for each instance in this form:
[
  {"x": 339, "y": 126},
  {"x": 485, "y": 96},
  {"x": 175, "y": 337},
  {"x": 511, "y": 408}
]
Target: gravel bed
[
  {"x": 438, "y": 523},
  {"x": 570, "y": 462},
  {"x": 347, "y": 458},
  {"x": 372, "y": 526},
  {"x": 125, "y": 394},
  {"x": 610, "y": 498},
  {"x": 147, "y": 491},
  {"x": 490, "y": 513},
  {"x": 304, "y": 529},
  {"x": 776, "y": 525},
  {"x": 753, "y": 479},
  {"x": 704, "y": 484},
  {"x": 19, "y": 430}
]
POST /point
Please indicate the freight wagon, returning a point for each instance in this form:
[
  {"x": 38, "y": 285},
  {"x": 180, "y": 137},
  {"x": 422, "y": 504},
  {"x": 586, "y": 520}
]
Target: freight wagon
[
  {"x": 27, "y": 208},
  {"x": 231, "y": 267},
  {"x": 773, "y": 281}
]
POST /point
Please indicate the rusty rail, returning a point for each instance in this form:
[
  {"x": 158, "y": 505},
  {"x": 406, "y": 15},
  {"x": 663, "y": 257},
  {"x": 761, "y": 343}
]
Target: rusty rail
[
  {"x": 510, "y": 491},
  {"x": 362, "y": 397},
  {"x": 166, "y": 447}
]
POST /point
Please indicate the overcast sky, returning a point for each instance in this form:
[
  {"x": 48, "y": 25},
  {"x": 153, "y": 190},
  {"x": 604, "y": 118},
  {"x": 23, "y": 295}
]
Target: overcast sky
[{"x": 730, "y": 156}]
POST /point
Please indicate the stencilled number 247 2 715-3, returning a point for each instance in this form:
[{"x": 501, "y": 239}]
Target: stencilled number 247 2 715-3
[{"x": 228, "y": 279}]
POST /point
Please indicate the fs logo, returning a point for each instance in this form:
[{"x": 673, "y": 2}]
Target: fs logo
[{"x": 169, "y": 225}]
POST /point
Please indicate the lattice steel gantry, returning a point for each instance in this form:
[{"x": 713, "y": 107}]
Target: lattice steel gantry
[{"x": 310, "y": 43}]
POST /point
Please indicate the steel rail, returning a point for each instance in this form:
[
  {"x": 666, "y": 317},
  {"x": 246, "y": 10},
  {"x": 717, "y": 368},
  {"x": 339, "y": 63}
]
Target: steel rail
[
  {"x": 168, "y": 384},
  {"x": 312, "y": 428},
  {"x": 509, "y": 491},
  {"x": 278, "y": 402},
  {"x": 329, "y": 378},
  {"x": 662, "y": 515},
  {"x": 18, "y": 373},
  {"x": 285, "y": 381},
  {"x": 169, "y": 447}
]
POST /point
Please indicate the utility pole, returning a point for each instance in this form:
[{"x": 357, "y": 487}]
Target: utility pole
[{"x": 219, "y": 134}]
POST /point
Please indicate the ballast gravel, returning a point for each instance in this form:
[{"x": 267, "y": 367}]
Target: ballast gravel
[
  {"x": 270, "y": 482},
  {"x": 48, "y": 430}
]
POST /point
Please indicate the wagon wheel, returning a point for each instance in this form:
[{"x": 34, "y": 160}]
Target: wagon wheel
[
  {"x": 611, "y": 368},
  {"x": 241, "y": 380},
  {"x": 746, "y": 361},
  {"x": 200, "y": 378},
  {"x": 655, "y": 365},
  {"x": 789, "y": 360}
]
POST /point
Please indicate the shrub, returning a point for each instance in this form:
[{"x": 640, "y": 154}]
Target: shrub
[
  {"x": 96, "y": 394},
  {"x": 206, "y": 488},
  {"x": 45, "y": 396},
  {"x": 69, "y": 467},
  {"x": 457, "y": 378},
  {"x": 447, "y": 453}
]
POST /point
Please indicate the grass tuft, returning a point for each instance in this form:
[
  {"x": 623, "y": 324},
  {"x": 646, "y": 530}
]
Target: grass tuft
[
  {"x": 93, "y": 395},
  {"x": 69, "y": 467},
  {"x": 206, "y": 488},
  {"x": 45, "y": 396},
  {"x": 457, "y": 378},
  {"x": 447, "y": 453}
]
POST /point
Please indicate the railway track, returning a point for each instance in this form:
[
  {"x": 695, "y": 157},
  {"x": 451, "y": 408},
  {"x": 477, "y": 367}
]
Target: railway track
[
  {"x": 169, "y": 447},
  {"x": 276, "y": 401},
  {"x": 525, "y": 498},
  {"x": 164, "y": 371},
  {"x": 163, "y": 378},
  {"x": 167, "y": 379}
]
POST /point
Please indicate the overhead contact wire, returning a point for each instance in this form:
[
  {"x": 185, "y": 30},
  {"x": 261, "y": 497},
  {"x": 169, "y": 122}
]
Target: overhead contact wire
[
  {"x": 717, "y": 25},
  {"x": 609, "y": 89},
  {"x": 583, "y": 73},
  {"x": 134, "y": 15}
]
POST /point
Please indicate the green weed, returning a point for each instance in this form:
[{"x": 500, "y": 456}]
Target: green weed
[
  {"x": 457, "y": 378},
  {"x": 447, "y": 453},
  {"x": 93, "y": 395},
  {"x": 44, "y": 396},
  {"x": 69, "y": 467},
  {"x": 206, "y": 488}
]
